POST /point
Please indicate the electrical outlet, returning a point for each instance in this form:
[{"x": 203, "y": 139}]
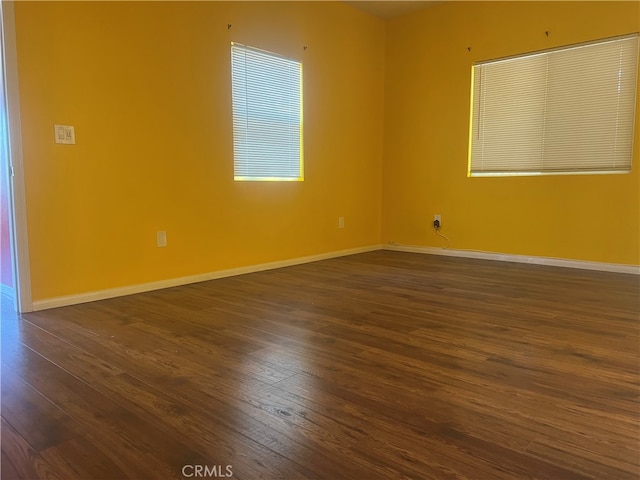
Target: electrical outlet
[
  {"x": 437, "y": 221},
  {"x": 161, "y": 238},
  {"x": 340, "y": 222}
]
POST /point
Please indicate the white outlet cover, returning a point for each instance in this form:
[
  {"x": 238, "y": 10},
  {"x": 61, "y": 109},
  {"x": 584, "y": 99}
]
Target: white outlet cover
[
  {"x": 65, "y": 134},
  {"x": 161, "y": 238}
]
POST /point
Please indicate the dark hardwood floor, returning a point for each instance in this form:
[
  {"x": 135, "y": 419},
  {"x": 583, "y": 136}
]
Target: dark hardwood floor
[{"x": 383, "y": 365}]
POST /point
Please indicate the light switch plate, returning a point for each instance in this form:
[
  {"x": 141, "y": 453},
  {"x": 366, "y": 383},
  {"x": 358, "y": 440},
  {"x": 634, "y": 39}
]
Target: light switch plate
[{"x": 65, "y": 134}]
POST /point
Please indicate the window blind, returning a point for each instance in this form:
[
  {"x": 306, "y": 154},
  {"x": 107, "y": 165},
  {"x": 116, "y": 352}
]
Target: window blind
[
  {"x": 567, "y": 110},
  {"x": 267, "y": 115}
]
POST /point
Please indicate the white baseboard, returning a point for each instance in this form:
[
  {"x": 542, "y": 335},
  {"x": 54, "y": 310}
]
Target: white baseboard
[
  {"x": 504, "y": 257},
  {"x": 174, "y": 282}
]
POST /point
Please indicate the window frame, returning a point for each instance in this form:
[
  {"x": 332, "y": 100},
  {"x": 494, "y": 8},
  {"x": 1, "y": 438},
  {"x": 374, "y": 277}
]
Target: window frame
[
  {"x": 297, "y": 160},
  {"x": 577, "y": 167}
]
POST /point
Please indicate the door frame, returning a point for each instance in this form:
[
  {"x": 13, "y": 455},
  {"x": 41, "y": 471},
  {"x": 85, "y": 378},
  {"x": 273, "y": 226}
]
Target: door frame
[{"x": 17, "y": 197}]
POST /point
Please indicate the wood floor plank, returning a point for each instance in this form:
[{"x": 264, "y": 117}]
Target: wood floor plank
[
  {"x": 33, "y": 416},
  {"x": 81, "y": 458},
  {"x": 7, "y": 470},
  {"x": 20, "y": 461},
  {"x": 132, "y": 444},
  {"x": 378, "y": 365},
  {"x": 377, "y": 433},
  {"x": 588, "y": 459}
]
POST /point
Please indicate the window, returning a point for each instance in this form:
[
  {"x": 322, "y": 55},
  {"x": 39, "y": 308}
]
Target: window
[
  {"x": 567, "y": 110},
  {"x": 267, "y": 115}
]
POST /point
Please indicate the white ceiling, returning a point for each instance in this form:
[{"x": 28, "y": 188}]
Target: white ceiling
[{"x": 389, "y": 8}]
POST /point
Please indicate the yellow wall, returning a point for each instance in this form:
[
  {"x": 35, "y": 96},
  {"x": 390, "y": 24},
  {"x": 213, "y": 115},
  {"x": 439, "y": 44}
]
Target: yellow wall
[
  {"x": 147, "y": 87},
  {"x": 428, "y": 70}
]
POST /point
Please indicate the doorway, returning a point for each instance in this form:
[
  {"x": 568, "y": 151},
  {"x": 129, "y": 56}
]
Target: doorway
[
  {"x": 7, "y": 285},
  {"x": 15, "y": 284},
  {"x": 7, "y": 288}
]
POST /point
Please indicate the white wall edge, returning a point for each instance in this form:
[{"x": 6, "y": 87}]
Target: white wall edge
[
  {"x": 18, "y": 210},
  {"x": 174, "y": 282},
  {"x": 504, "y": 257}
]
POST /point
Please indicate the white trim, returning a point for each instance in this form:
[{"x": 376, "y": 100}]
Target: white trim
[
  {"x": 21, "y": 265},
  {"x": 505, "y": 257},
  {"x": 174, "y": 282}
]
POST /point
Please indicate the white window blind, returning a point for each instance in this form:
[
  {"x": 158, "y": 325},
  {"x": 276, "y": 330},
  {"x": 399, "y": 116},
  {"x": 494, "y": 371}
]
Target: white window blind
[
  {"x": 267, "y": 115},
  {"x": 567, "y": 110}
]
